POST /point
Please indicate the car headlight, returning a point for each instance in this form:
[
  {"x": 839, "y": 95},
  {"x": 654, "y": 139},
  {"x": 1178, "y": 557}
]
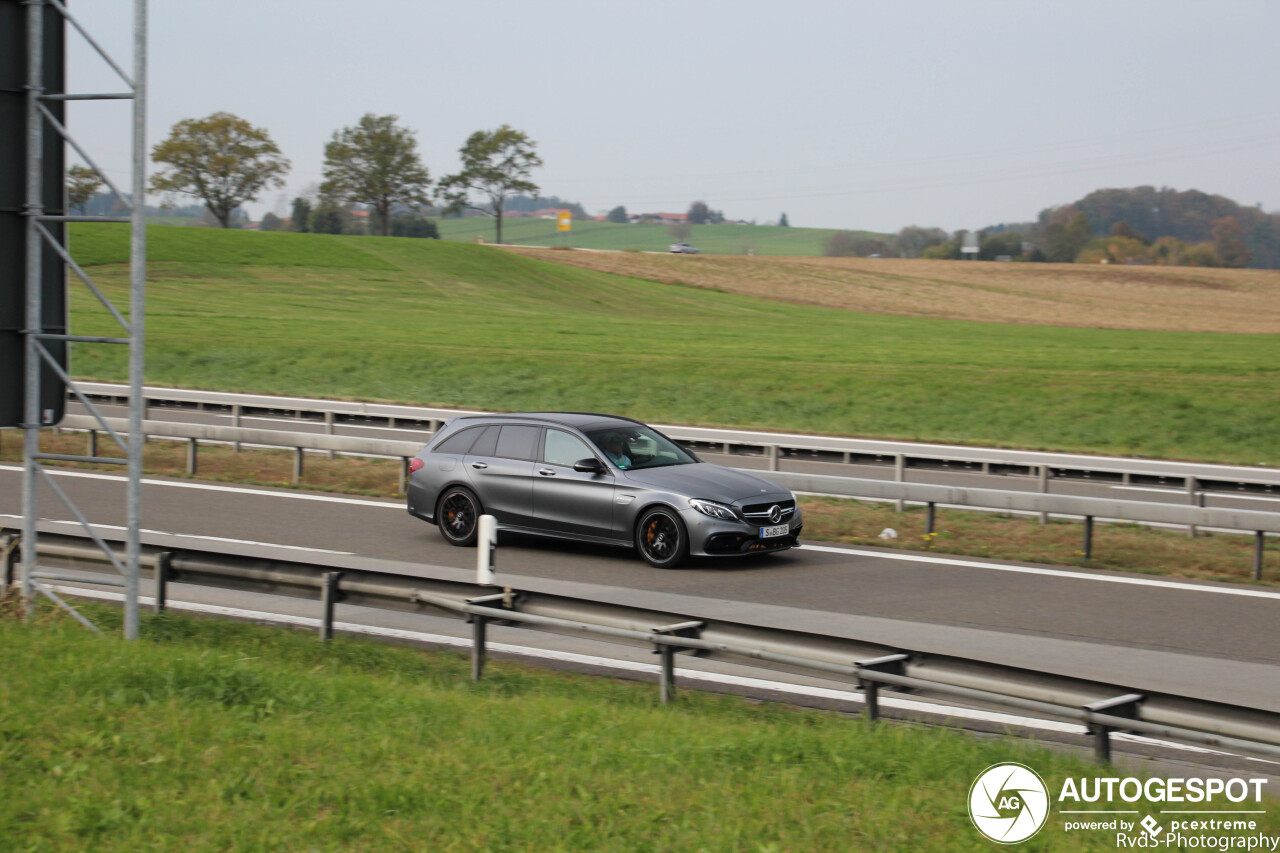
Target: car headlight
[{"x": 713, "y": 509}]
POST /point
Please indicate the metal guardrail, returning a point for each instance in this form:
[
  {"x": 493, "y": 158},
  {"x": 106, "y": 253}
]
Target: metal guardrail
[
  {"x": 868, "y": 667},
  {"x": 774, "y": 446},
  {"x": 1086, "y": 508}
]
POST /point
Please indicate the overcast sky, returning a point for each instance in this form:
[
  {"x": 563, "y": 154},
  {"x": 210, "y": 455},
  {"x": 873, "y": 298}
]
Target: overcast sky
[{"x": 842, "y": 114}]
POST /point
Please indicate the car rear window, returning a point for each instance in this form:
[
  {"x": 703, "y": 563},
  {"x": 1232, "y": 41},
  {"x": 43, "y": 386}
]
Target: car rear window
[
  {"x": 459, "y": 442},
  {"x": 516, "y": 442},
  {"x": 488, "y": 443}
]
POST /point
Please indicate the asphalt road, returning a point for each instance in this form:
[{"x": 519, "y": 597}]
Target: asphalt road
[{"x": 1212, "y": 640}]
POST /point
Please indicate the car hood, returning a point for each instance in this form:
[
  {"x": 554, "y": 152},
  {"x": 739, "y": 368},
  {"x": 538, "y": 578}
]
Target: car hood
[{"x": 704, "y": 480}]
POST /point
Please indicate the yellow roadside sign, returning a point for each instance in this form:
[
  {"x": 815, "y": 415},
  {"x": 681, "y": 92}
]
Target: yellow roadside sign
[{"x": 565, "y": 221}]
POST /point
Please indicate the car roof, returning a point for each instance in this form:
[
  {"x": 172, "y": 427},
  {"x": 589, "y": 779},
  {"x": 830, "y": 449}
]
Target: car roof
[{"x": 578, "y": 420}]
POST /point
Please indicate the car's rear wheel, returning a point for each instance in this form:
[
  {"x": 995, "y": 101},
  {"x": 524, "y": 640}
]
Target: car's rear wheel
[
  {"x": 661, "y": 538},
  {"x": 458, "y": 516}
]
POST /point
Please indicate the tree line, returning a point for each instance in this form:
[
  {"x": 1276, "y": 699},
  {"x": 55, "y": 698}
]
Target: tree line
[
  {"x": 224, "y": 161},
  {"x": 1142, "y": 225}
]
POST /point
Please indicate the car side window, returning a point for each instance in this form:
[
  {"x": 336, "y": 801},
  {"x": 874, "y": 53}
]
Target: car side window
[
  {"x": 561, "y": 448},
  {"x": 517, "y": 442},
  {"x": 459, "y": 442},
  {"x": 487, "y": 444}
]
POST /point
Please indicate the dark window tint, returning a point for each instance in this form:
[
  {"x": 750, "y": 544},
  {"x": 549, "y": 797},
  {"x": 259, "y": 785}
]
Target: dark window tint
[
  {"x": 488, "y": 443},
  {"x": 516, "y": 442},
  {"x": 459, "y": 442}
]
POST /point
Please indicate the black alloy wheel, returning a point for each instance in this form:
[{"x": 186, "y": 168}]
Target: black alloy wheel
[
  {"x": 459, "y": 516},
  {"x": 661, "y": 539}
]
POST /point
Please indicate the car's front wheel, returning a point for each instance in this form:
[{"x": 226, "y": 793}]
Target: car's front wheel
[
  {"x": 458, "y": 515},
  {"x": 661, "y": 538}
]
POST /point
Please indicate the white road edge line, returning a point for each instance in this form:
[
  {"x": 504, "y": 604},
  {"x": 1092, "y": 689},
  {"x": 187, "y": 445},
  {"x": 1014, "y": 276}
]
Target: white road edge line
[
  {"x": 649, "y": 668},
  {"x": 76, "y": 524},
  {"x": 1182, "y": 492},
  {"x": 239, "y": 490},
  {"x": 1031, "y": 570}
]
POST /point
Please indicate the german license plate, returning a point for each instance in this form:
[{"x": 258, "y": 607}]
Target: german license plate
[{"x": 769, "y": 532}]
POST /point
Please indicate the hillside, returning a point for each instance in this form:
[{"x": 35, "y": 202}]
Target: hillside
[
  {"x": 440, "y": 323},
  {"x": 1193, "y": 299}
]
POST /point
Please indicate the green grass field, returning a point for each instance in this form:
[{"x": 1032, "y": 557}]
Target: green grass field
[
  {"x": 443, "y": 323},
  {"x": 214, "y": 736},
  {"x": 723, "y": 239}
]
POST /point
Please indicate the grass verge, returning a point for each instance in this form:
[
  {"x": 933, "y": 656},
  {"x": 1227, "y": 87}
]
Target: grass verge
[
  {"x": 210, "y": 735},
  {"x": 1119, "y": 547}
]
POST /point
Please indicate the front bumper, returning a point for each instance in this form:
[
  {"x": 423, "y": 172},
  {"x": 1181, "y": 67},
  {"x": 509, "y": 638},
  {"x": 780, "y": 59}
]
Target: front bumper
[{"x": 714, "y": 537}]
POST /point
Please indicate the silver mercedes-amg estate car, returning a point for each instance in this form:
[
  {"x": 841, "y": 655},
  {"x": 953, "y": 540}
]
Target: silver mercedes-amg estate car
[{"x": 595, "y": 478}]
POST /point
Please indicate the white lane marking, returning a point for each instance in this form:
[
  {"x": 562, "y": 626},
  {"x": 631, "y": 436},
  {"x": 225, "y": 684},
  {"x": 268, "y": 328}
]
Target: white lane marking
[
  {"x": 178, "y": 484},
  {"x": 76, "y": 525},
  {"x": 850, "y": 552},
  {"x": 1232, "y": 495},
  {"x": 648, "y": 668},
  {"x": 1029, "y": 570}
]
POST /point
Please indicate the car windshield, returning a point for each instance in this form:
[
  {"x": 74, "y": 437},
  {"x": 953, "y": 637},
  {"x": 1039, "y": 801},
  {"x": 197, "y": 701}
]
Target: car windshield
[{"x": 633, "y": 447}]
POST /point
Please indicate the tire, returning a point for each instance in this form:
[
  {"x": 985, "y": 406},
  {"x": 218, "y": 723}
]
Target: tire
[
  {"x": 458, "y": 516},
  {"x": 661, "y": 538}
]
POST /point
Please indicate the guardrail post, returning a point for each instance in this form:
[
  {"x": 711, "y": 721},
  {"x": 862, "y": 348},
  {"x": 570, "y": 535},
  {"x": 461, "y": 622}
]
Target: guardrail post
[
  {"x": 1045, "y": 474},
  {"x": 191, "y": 457},
  {"x": 93, "y": 442},
  {"x": 236, "y": 413},
  {"x": 297, "y": 465},
  {"x": 328, "y": 430},
  {"x": 478, "y": 631},
  {"x": 163, "y": 563},
  {"x": 402, "y": 485},
  {"x": 1088, "y": 537},
  {"x": 893, "y": 664},
  {"x": 505, "y": 600},
  {"x": 9, "y": 550},
  {"x": 667, "y": 675},
  {"x": 1259, "y": 543},
  {"x": 328, "y": 598},
  {"x": 900, "y": 475},
  {"x": 1120, "y": 706},
  {"x": 928, "y": 518},
  {"x": 1192, "y": 483}
]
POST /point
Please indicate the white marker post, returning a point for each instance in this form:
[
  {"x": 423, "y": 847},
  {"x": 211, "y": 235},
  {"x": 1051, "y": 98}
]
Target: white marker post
[{"x": 486, "y": 544}]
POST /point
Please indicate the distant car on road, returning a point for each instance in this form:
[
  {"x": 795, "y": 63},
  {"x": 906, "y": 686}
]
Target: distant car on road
[
  {"x": 683, "y": 249},
  {"x": 595, "y": 478}
]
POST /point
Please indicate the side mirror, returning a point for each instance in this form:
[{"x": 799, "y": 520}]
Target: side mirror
[{"x": 590, "y": 465}]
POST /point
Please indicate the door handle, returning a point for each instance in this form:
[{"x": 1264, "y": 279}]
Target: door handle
[
  {"x": 547, "y": 472},
  {"x": 479, "y": 465}
]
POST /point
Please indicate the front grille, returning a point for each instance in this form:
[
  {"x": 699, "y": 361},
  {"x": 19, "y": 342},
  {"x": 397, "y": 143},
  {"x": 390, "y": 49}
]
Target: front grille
[{"x": 762, "y": 510}]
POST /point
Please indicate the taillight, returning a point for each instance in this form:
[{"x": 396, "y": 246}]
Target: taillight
[{"x": 414, "y": 464}]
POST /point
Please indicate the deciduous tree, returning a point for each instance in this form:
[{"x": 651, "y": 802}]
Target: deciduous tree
[
  {"x": 375, "y": 162},
  {"x": 222, "y": 160},
  {"x": 495, "y": 164},
  {"x": 1228, "y": 242},
  {"x": 618, "y": 214},
  {"x": 300, "y": 220},
  {"x": 83, "y": 184}
]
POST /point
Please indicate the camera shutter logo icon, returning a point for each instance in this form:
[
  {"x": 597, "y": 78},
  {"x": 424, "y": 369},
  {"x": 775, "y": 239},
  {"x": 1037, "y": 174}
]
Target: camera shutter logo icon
[{"x": 1008, "y": 803}]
